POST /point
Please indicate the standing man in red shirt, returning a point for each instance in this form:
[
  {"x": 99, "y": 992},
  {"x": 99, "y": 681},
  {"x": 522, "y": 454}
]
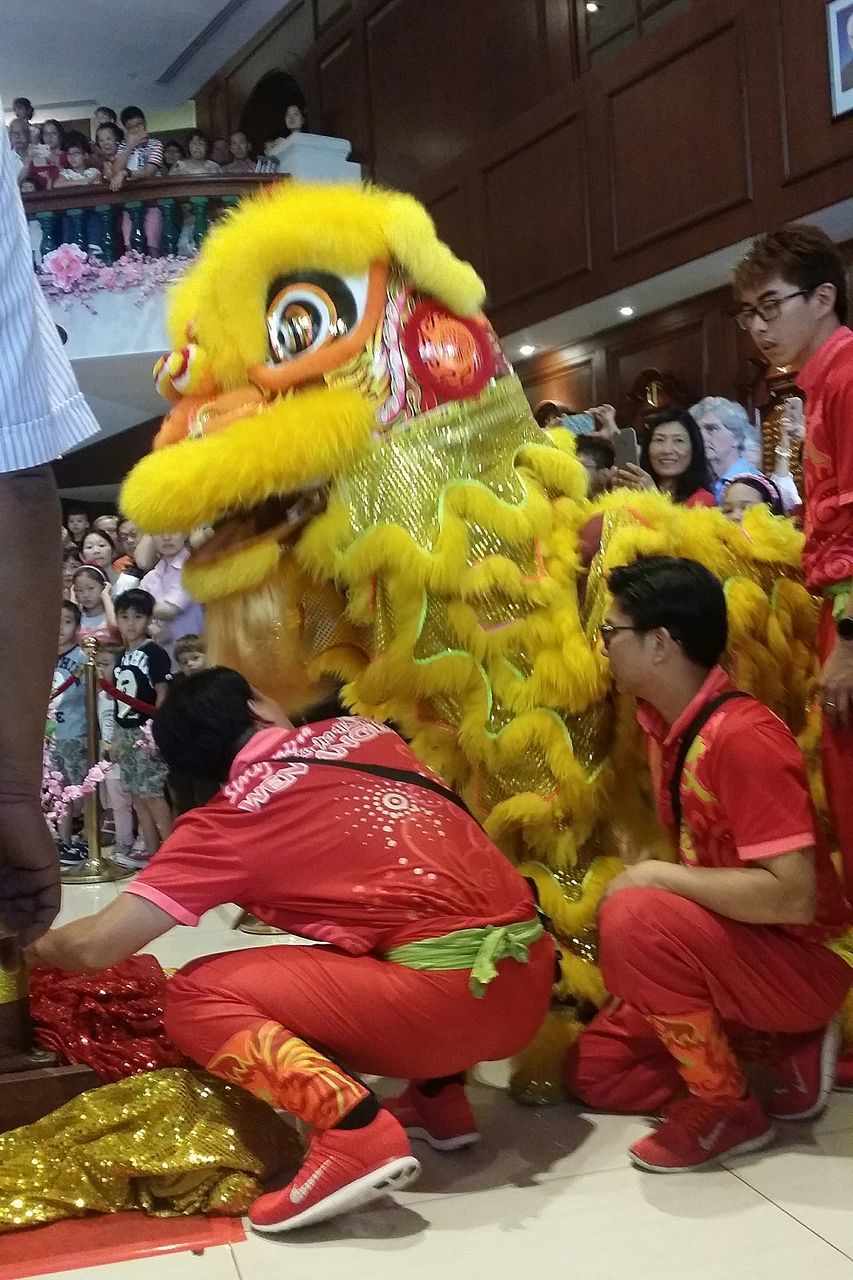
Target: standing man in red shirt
[
  {"x": 793, "y": 289},
  {"x": 738, "y": 934},
  {"x": 435, "y": 958}
]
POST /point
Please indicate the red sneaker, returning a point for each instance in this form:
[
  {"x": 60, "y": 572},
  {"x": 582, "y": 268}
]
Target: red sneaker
[
  {"x": 344, "y": 1168},
  {"x": 446, "y": 1121},
  {"x": 695, "y": 1132},
  {"x": 806, "y": 1074},
  {"x": 844, "y": 1072}
]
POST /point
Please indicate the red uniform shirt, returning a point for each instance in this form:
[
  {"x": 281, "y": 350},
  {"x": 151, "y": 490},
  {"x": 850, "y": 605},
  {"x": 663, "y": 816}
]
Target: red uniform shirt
[
  {"x": 744, "y": 795},
  {"x": 331, "y": 854},
  {"x": 827, "y": 380}
]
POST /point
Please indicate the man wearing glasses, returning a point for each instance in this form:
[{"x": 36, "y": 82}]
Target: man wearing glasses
[
  {"x": 739, "y": 935},
  {"x": 792, "y": 286}
]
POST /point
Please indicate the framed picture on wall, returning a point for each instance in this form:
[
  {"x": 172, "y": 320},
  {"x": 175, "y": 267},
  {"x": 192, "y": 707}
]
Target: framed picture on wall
[{"x": 839, "y": 17}]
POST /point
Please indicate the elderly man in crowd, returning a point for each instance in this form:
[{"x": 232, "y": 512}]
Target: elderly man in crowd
[{"x": 725, "y": 430}]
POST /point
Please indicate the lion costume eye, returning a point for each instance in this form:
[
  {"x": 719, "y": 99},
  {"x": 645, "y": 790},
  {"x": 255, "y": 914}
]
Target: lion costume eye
[{"x": 311, "y": 310}]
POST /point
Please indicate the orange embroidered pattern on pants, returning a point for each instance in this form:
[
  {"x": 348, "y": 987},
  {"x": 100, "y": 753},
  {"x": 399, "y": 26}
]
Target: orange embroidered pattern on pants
[
  {"x": 275, "y": 1065},
  {"x": 705, "y": 1059}
]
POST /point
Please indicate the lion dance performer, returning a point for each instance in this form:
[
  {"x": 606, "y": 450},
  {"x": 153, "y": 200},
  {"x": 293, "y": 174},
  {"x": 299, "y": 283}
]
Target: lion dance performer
[{"x": 386, "y": 513}]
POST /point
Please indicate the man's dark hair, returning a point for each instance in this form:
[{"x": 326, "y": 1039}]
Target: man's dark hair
[
  {"x": 600, "y": 451},
  {"x": 698, "y": 474},
  {"x": 68, "y": 606},
  {"x": 679, "y": 595},
  {"x": 113, "y": 128},
  {"x": 26, "y": 104},
  {"x": 204, "y": 722},
  {"x": 137, "y": 599},
  {"x": 108, "y": 111},
  {"x": 132, "y": 113},
  {"x": 804, "y": 256},
  {"x": 76, "y": 509}
]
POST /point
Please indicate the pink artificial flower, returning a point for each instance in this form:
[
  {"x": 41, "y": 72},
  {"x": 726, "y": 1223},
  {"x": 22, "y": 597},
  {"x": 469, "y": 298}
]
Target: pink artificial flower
[{"x": 66, "y": 266}]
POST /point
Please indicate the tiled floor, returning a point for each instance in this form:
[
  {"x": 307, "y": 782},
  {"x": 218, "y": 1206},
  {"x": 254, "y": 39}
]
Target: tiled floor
[{"x": 551, "y": 1193}]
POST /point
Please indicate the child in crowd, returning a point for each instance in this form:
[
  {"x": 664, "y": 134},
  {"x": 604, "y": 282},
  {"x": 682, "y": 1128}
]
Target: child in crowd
[
  {"x": 191, "y": 654},
  {"x": 91, "y": 590},
  {"x": 747, "y": 491},
  {"x": 80, "y": 167},
  {"x": 67, "y": 710},
  {"x": 186, "y": 792},
  {"x": 77, "y": 523},
  {"x": 114, "y": 794},
  {"x": 174, "y": 608},
  {"x": 140, "y": 674},
  {"x": 71, "y": 562}
]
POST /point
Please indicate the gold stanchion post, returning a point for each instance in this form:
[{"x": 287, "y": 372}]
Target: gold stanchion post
[{"x": 97, "y": 869}]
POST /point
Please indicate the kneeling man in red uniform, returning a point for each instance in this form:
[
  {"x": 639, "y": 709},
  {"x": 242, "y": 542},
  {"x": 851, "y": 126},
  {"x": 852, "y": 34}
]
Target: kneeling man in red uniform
[
  {"x": 736, "y": 938},
  {"x": 434, "y": 957}
]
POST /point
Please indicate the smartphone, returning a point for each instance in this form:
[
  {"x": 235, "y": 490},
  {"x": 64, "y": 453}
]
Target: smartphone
[
  {"x": 626, "y": 448},
  {"x": 580, "y": 424}
]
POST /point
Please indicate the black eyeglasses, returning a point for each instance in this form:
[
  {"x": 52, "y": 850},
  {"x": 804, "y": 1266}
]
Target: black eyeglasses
[
  {"x": 767, "y": 311},
  {"x": 608, "y": 631}
]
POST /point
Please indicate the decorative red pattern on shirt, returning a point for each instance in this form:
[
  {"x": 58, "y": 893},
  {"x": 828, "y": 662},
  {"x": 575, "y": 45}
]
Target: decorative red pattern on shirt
[
  {"x": 744, "y": 795},
  {"x": 827, "y": 380},
  {"x": 334, "y": 855}
]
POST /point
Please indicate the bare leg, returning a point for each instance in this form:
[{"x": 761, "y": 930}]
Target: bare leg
[
  {"x": 161, "y": 813},
  {"x": 30, "y": 576},
  {"x": 147, "y": 825}
]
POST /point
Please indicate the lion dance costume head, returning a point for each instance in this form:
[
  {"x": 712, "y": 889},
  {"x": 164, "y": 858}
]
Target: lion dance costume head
[{"x": 386, "y": 513}]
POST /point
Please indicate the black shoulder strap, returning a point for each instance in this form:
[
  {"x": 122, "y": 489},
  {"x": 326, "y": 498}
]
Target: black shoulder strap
[
  {"x": 382, "y": 771},
  {"x": 695, "y": 727}
]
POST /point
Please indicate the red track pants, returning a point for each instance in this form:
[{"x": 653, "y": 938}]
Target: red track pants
[
  {"x": 280, "y": 1020},
  {"x": 837, "y": 759},
  {"x": 669, "y": 960}
]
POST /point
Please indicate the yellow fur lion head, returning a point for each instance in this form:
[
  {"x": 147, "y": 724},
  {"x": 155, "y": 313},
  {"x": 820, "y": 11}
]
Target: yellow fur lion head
[{"x": 316, "y": 320}]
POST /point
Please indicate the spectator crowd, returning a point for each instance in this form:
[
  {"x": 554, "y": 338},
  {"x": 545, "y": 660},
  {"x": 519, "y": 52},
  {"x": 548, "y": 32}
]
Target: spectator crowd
[
  {"x": 126, "y": 592},
  {"x": 122, "y": 151},
  {"x": 707, "y": 456}
]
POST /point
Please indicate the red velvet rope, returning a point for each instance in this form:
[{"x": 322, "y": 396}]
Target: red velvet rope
[
  {"x": 66, "y": 684},
  {"x": 144, "y": 707}
]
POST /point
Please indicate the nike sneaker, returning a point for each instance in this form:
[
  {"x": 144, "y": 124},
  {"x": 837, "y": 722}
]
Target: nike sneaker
[
  {"x": 445, "y": 1121},
  {"x": 343, "y": 1170},
  {"x": 695, "y": 1133},
  {"x": 805, "y": 1069}
]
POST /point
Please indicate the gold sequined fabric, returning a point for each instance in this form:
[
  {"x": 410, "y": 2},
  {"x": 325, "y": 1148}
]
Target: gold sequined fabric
[{"x": 168, "y": 1143}]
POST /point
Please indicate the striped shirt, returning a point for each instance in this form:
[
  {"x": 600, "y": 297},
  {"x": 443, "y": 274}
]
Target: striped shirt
[
  {"x": 148, "y": 152},
  {"x": 42, "y": 410}
]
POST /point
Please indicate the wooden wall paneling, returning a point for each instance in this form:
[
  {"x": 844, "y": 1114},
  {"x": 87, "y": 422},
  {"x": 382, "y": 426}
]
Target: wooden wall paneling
[
  {"x": 537, "y": 214},
  {"x": 344, "y": 94},
  {"x": 675, "y": 344},
  {"x": 689, "y": 109},
  {"x": 285, "y": 48},
  {"x": 572, "y": 381},
  {"x": 443, "y": 75},
  {"x": 812, "y": 140},
  {"x": 328, "y": 11},
  {"x": 562, "y": 50}
]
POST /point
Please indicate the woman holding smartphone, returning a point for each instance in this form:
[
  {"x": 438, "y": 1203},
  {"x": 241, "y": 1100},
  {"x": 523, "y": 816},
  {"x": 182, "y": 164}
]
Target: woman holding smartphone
[{"x": 672, "y": 459}]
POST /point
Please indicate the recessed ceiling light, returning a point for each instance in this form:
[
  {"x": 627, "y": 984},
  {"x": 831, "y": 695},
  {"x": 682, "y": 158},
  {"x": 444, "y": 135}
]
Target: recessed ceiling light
[
  {"x": 626, "y": 311},
  {"x": 591, "y": 7},
  {"x": 526, "y": 350}
]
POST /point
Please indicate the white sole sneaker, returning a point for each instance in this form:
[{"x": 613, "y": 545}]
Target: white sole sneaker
[
  {"x": 830, "y": 1050},
  {"x": 742, "y": 1149},
  {"x": 393, "y": 1176},
  {"x": 458, "y": 1143}
]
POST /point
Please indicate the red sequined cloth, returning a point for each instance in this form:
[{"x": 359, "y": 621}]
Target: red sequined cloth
[{"x": 111, "y": 1021}]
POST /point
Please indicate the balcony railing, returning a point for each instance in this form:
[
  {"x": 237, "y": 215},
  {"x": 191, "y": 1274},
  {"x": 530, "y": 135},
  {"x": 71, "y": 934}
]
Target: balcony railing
[{"x": 93, "y": 215}]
